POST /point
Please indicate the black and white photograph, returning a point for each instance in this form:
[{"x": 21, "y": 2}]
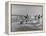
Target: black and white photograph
[{"x": 26, "y": 17}]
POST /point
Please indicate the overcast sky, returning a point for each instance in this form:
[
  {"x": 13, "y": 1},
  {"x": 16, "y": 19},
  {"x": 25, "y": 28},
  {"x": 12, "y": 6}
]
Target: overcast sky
[{"x": 23, "y": 10}]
